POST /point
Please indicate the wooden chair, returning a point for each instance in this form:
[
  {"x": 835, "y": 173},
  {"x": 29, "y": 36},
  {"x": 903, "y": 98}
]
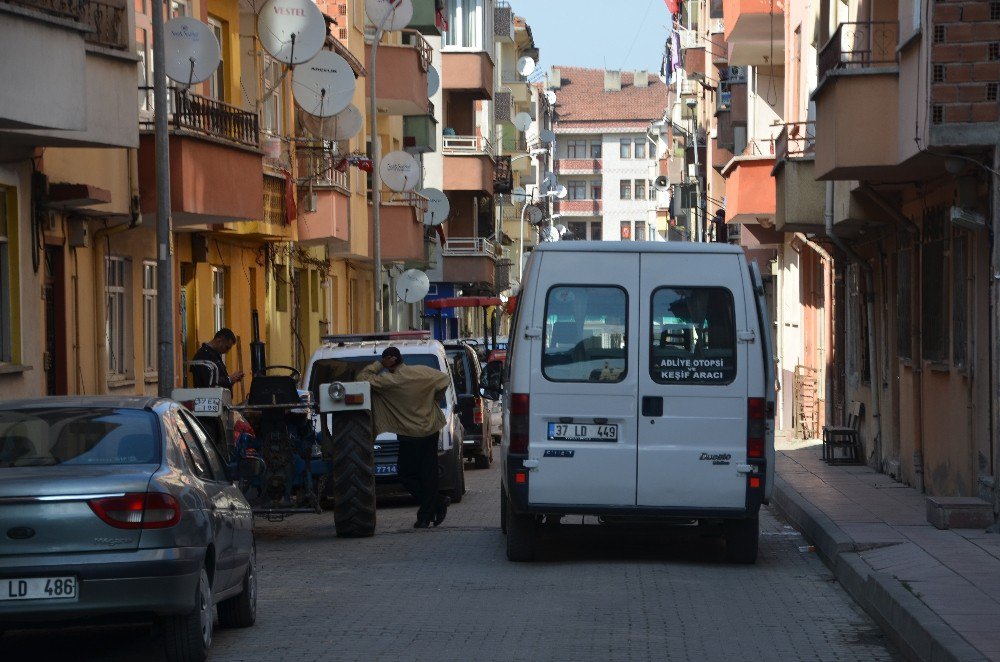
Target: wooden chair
[{"x": 846, "y": 438}]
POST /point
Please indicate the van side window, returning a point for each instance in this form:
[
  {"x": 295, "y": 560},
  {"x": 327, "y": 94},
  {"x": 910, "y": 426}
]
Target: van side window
[
  {"x": 692, "y": 336},
  {"x": 585, "y": 334}
]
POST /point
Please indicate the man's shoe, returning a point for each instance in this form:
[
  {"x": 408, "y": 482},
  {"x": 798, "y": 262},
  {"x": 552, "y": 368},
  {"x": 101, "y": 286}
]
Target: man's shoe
[
  {"x": 442, "y": 511},
  {"x": 421, "y": 525}
]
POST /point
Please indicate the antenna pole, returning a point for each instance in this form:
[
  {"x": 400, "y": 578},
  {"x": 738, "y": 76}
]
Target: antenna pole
[
  {"x": 377, "y": 176},
  {"x": 164, "y": 239}
]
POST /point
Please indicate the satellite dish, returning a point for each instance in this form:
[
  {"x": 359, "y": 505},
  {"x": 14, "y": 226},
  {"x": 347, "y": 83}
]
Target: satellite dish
[
  {"x": 562, "y": 230},
  {"x": 193, "y": 52},
  {"x": 343, "y": 126},
  {"x": 534, "y": 214},
  {"x": 292, "y": 31},
  {"x": 519, "y": 193},
  {"x": 561, "y": 192},
  {"x": 550, "y": 96},
  {"x": 412, "y": 285},
  {"x": 550, "y": 234},
  {"x": 526, "y": 66},
  {"x": 549, "y": 182},
  {"x": 324, "y": 85},
  {"x": 400, "y": 15},
  {"x": 661, "y": 183},
  {"x": 438, "y": 206},
  {"x": 522, "y": 121},
  {"x": 400, "y": 171},
  {"x": 546, "y": 136},
  {"x": 433, "y": 81}
]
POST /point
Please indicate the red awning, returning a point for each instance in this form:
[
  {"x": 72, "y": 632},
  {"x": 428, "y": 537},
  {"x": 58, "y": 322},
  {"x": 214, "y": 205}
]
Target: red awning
[{"x": 463, "y": 302}]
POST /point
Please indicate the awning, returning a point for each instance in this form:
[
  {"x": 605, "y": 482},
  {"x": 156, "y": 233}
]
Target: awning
[{"x": 462, "y": 302}]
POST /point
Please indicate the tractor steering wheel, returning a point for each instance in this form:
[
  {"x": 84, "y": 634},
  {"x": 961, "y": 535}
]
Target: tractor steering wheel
[{"x": 293, "y": 372}]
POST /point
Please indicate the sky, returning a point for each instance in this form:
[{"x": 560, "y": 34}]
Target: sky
[{"x": 611, "y": 34}]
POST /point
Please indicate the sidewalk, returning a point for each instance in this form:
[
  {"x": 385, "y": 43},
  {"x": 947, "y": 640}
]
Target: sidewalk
[{"x": 936, "y": 593}]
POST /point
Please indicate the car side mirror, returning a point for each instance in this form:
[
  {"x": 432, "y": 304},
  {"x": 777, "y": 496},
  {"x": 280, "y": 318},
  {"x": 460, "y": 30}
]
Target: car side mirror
[{"x": 250, "y": 467}]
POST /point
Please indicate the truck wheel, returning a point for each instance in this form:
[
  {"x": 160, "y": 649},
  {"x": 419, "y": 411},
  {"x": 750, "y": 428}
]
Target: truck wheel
[
  {"x": 353, "y": 478},
  {"x": 459, "y": 490},
  {"x": 741, "y": 540},
  {"x": 503, "y": 509},
  {"x": 522, "y": 534}
]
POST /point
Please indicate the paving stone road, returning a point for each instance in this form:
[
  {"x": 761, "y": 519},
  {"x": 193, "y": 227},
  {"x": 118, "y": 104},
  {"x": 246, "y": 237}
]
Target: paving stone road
[{"x": 450, "y": 594}]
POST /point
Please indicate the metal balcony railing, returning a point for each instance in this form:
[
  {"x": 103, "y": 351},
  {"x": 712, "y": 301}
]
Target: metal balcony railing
[
  {"x": 759, "y": 147},
  {"x": 193, "y": 112},
  {"x": 797, "y": 140},
  {"x": 471, "y": 145},
  {"x": 416, "y": 40},
  {"x": 318, "y": 165},
  {"x": 860, "y": 45},
  {"x": 472, "y": 247}
]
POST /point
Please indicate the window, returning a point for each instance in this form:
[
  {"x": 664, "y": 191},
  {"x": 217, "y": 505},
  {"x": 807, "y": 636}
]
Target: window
[
  {"x": 692, "y": 336},
  {"x": 217, "y": 81},
  {"x": 179, "y": 8},
  {"x": 640, "y": 189},
  {"x": 218, "y": 297},
  {"x": 215, "y": 462},
  {"x": 577, "y": 189},
  {"x": 7, "y": 220},
  {"x": 626, "y": 230},
  {"x": 577, "y": 229},
  {"x": 959, "y": 300},
  {"x": 271, "y": 121},
  {"x": 595, "y": 149},
  {"x": 576, "y": 149},
  {"x": 596, "y": 192},
  {"x": 584, "y": 336},
  {"x": 596, "y": 231},
  {"x": 934, "y": 297},
  {"x": 189, "y": 447},
  {"x": 150, "y": 340},
  {"x": 640, "y": 148},
  {"x": 117, "y": 319},
  {"x": 465, "y": 24},
  {"x": 640, "y": 230},
  {"x": 625, "y": 189},
  {"x": 652, "y": 191},
  {"x": 625, "y": 148}
]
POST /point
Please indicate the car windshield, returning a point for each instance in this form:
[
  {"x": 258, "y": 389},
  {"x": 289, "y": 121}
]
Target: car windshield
[
  {"x": 346, "y": 368},
  {"x": 35, "y": 437}
]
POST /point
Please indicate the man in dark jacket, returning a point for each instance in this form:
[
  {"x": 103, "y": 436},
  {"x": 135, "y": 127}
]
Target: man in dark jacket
[{"x": 212, "y": 352}]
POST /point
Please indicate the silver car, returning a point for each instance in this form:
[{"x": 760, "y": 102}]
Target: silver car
[{"x": 121, "y": 505}]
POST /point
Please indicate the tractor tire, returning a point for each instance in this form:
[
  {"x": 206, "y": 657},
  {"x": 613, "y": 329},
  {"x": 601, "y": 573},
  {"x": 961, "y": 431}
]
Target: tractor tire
[{"x": 352, "y": 483}]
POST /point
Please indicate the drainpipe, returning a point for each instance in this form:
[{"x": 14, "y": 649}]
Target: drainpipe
[{"x": 870, "y": 339}]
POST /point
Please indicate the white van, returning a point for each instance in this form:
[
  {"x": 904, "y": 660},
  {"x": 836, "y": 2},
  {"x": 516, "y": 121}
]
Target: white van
[{"x": 639, "y": 384}]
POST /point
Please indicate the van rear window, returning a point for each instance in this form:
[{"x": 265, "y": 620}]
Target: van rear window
[
  {"x": 585, "y": 332},
  {"x": 692, "y": 336}
]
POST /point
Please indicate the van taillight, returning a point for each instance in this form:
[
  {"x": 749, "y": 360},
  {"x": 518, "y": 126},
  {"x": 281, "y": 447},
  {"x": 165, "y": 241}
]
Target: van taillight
[
  {"x": 756, "y": 427},
  {"x": 477, "y": 411},
  {"x": 138, "y": 510},
  {"x": 519, "y": 423}
]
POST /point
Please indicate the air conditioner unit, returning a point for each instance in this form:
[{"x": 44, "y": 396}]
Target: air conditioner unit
[{"x": 964, "y": 218}]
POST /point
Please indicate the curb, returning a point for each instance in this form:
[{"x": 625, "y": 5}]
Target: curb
[{"x": 913, "y": 627}]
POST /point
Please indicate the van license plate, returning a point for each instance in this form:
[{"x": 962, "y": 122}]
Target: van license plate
[
  {"x": 38, "y": 588},
  {"x": 385, "y": 469},
  {"x": 582, "y": 432}
]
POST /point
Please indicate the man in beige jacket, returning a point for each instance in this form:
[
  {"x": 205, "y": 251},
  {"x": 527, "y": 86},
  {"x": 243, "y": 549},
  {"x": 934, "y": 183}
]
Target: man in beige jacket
[{"x": 405, "y": 401}]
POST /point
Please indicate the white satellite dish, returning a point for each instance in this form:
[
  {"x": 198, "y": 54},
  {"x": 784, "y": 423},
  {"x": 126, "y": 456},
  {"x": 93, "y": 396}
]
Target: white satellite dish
[
  {"x": 412, "y": 285},
  {"x": 433, "y": 80},
  {"x": 438, "y": 206},
  {"x": 561, "y": 192},
  {"x": 292, "y": 31},
  {"x": 343, "y": 126},
  {"x": 193, "y": 52},
  {"x": 546, "y": 136},
  {"x": 562, "y": 230},
  {"x": 522, "y": 121},
  {"x": 550, "y": 234},
  {"x": 550, "y": 96},
  {"x": 526, "y": 66},
  {"x": 324, "y": 85},
  {"x": 549, "y": 182},
  {"x": 400, "y": 13},
  {"x": 519, "y": 193},
  {"x": 534, "y": 215},
  {"x": 400, "y": 171}
]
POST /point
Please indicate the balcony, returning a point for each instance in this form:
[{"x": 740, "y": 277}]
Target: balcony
[
  {"x": 402, "y": 228},
  {"x": 470, "y": 72},
  {"x": 470, "y": 260},
  {"x": 858, "y": 89},
  {"x": 799, "y": 198},
  {"x": 579, "y": 166},
  {"x": 216, "y": 170},
  {"x": 695, "y": 61},
  {"x": 468, "y": 163},
  {"x": 579, "y": 207},
  {"x": 750, "y": 191},
  {"x": 401, "y": 83},
  {"x": 426, "y": 19},
  {"x": 754, "y": 32},
  {"x": 517, "y": 84},
  {"x": 324, "y": 197}
]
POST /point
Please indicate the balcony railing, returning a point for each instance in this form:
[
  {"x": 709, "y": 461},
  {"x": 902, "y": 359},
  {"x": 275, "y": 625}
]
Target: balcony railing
[
  {"x": 859, "y": 46},
  {"x": 318, "y": 165},
  {"x": 579, "y": 207},
  {"x": 472, "y": 247},
  {"x": 471, "y": 145},
  {"x": 518, "y": 144},
  {"x": 415, "y": 39},
  {"x": 690, "y": 39},
  {"x": 107, "y": 19},
  {"x": 193, "y": 112},
  {"x": 512, "y": 76},
  {"x": 582, "y": 166},
  {"x": 759, "y": 147},
  {"x": 797, "y": 140}
]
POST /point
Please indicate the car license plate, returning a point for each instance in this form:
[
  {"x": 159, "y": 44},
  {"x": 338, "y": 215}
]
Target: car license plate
[
  {"x": 207, "y": 405},
  {"x": 384, "y": 469},
  {"x": 38, "y": 588},
  {"x": 582, "y": 432}
]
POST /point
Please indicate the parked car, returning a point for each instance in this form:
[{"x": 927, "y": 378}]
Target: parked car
[
  {"x": 340, "y": 358},
  {"x": 474, "y": 410},
  {"x": 121, "y": 505},
  {"x": 491, "y": 383}
]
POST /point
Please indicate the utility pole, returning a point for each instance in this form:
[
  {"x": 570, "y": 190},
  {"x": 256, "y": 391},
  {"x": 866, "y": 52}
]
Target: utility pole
[
  {"x": 699, "y": 215},
  {"x": 164, "y": 231},
  {"x": 994, "y": 351}
]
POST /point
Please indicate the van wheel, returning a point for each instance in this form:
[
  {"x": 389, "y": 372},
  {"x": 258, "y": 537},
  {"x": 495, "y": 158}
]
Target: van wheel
[
  {"x": 459, "y": 490},
  {"x": 187, "y": 637},
  {"x": 522, "y": 535},
  {"x": 741, "y": 540},
  {"x": 353, "y": 480},
  {"x": 503, "y": 509}
]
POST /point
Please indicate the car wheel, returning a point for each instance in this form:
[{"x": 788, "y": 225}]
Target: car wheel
[
  {"x": 741, "y": 540},
  {"x": 522, "y": 536},
  {"x": 503, "y": 509},
  {"x": 187, "y": 637},
  {"x": 240, "y": 611},
  {"x": 459, "y": 490},
  {"x": 483, "y": 461},
  {"x": 353, "y": 479}
]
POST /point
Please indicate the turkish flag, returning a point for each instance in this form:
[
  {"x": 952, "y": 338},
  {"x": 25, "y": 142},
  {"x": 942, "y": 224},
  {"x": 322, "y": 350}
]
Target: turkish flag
[
  {"x": 674, "y": 6},
  {"x": 440, "y": 232}
]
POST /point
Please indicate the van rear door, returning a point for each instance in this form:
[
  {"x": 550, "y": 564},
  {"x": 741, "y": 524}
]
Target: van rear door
[
  {"x": 583, "y": 379},
  {"x": 692, "y": 377}
]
